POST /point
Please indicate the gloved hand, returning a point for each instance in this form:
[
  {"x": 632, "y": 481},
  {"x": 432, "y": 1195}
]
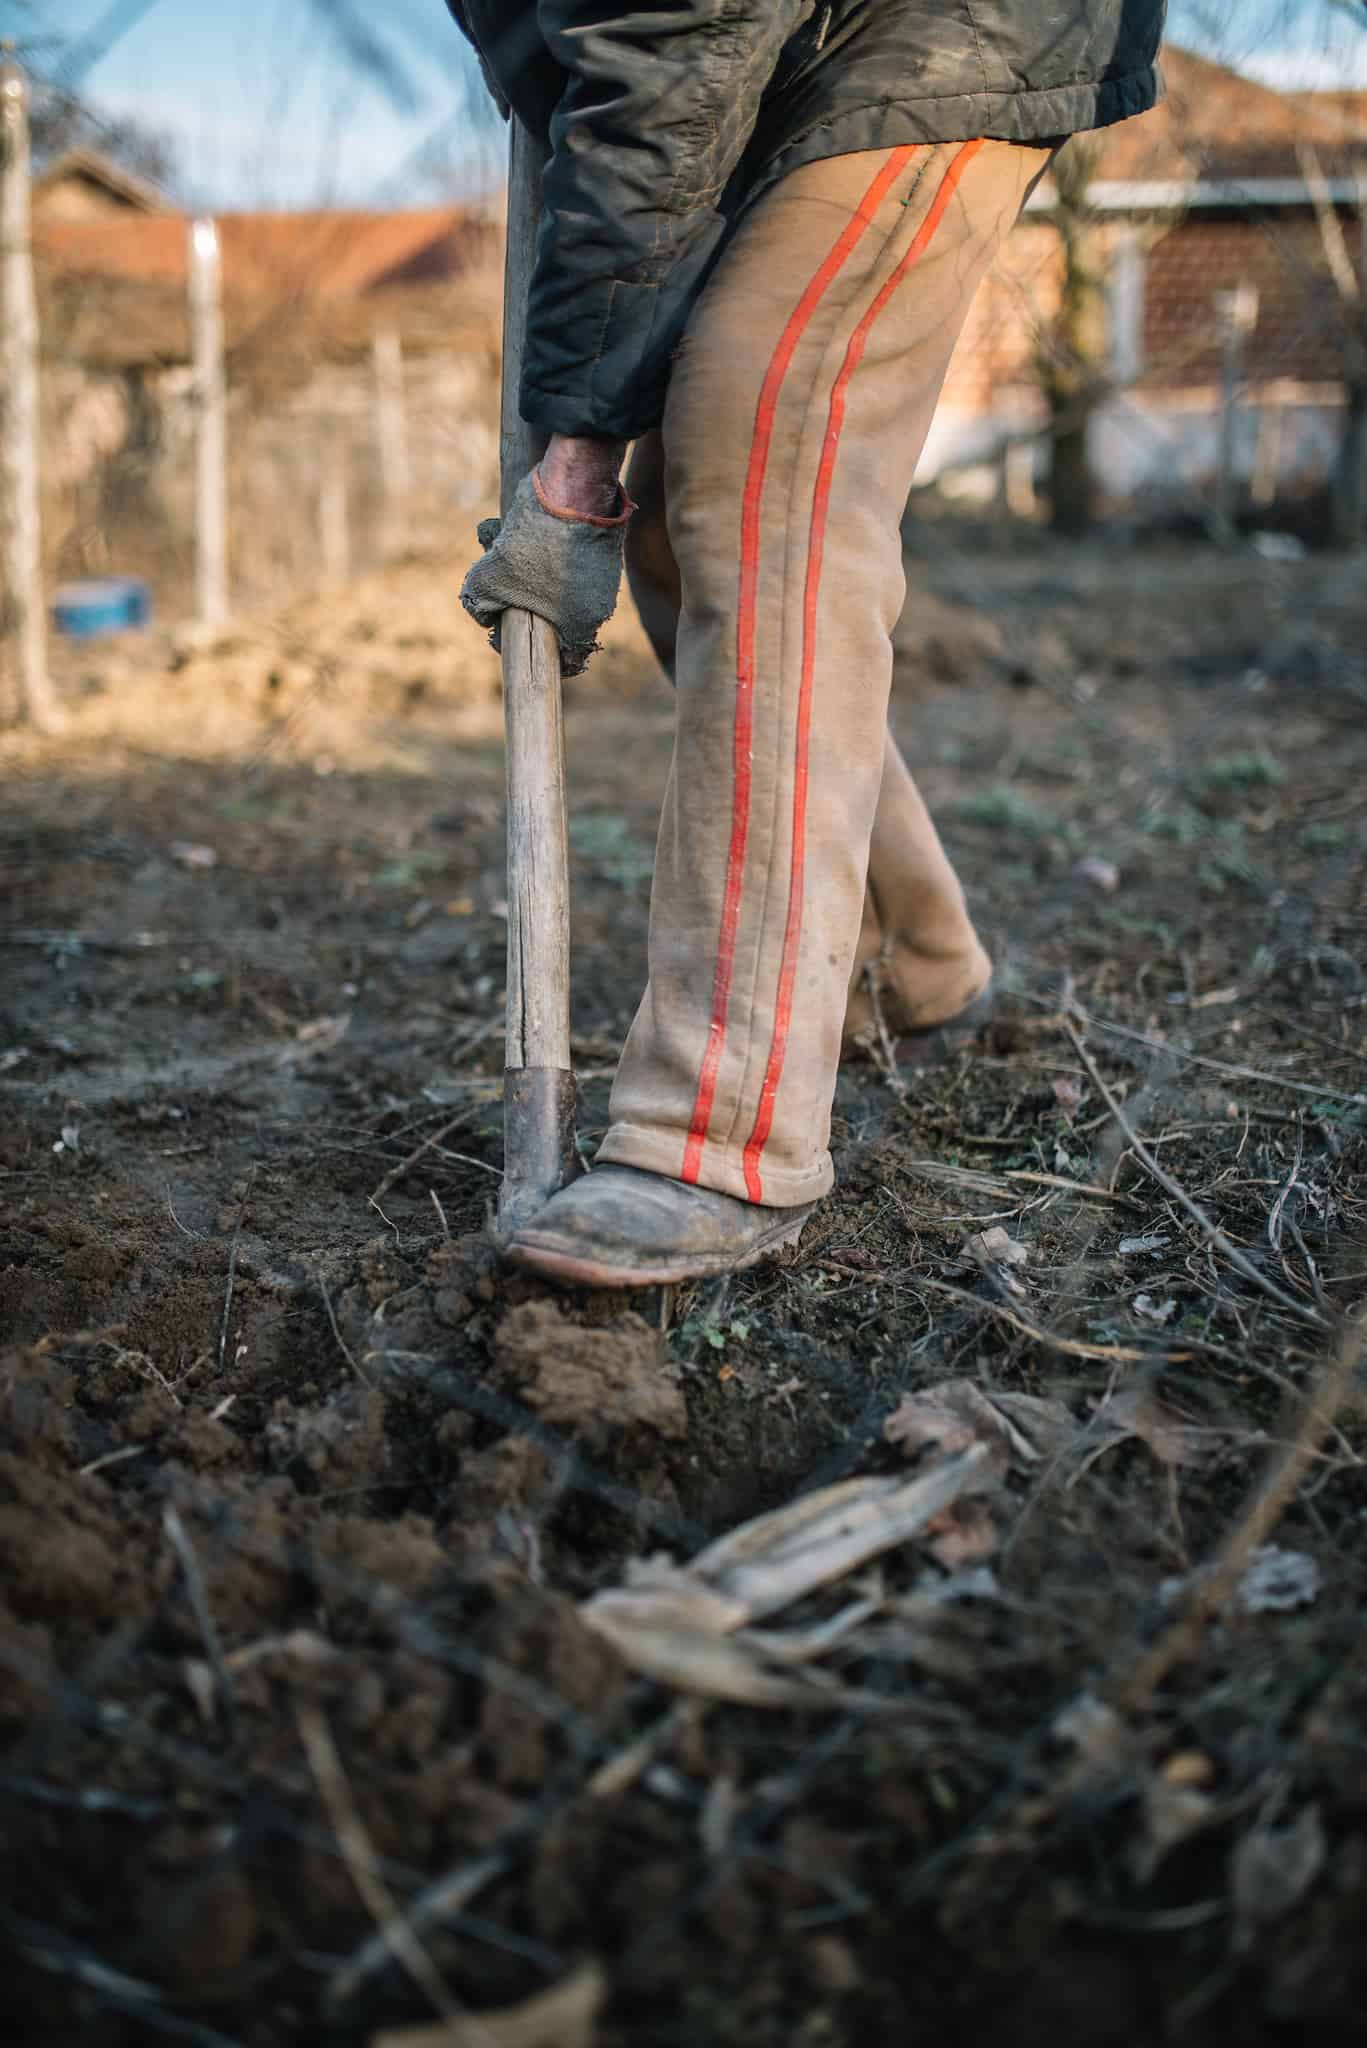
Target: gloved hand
[{"x": 564, "y": 566}]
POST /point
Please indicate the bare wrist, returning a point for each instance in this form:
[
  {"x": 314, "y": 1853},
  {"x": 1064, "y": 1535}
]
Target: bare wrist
[{"x": 580, "y": 474}]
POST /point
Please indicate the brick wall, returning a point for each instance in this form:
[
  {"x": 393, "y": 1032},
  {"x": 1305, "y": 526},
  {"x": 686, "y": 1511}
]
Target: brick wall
[
  {"x": 1298, "y": 330},
  {"x": 1185, "y": 269},
  {"x": 1160, "y": 432}
]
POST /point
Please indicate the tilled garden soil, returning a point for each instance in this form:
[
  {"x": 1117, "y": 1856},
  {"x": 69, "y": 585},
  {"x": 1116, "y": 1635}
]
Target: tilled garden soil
[{"x": 307, "y": 1732}]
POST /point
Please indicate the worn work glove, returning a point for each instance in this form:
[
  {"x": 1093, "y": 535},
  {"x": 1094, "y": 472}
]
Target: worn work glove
[{"x": 564, "y": 566}]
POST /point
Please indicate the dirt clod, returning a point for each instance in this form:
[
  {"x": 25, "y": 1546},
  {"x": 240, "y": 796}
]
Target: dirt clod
[{"x": 593, "y": 1381}]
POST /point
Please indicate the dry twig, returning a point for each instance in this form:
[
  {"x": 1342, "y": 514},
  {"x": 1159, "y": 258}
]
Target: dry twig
[
  {"x": 397, "y": 1936},
  {"x": 1072, "y": 1347},
  {"x": 232, "y": 1268},
  {"x": 1200, "y": 1059},
  {"x": 1213, "y": 1587},
  {"x": 342, "y": 1344},
  {"x": 565, "y": 2016},
  {"x": 179, "y": 1538},
  {"x": 1212, "y": 1232},
  {"x": 888, "y": 1060},
  {"x": 1086, "y": 1188},
  {"x": 405, "y": 1166},
  {"x": 441, "y": 1900}
]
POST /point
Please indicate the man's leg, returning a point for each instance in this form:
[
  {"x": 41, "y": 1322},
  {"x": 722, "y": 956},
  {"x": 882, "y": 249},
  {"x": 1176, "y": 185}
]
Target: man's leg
[
  {"x": 916, "y": 939},
  {"x": 915, "y": 935},
  {"x": 797, "y": 410}
]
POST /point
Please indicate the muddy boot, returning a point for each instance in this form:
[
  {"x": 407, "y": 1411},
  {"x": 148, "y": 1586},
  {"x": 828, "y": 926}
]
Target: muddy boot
[
  {"x": 621, "y": 1227},
  {"x": 930, "y": 1045}
]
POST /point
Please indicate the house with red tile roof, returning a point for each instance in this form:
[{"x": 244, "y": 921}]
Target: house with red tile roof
[
  {"x": 1212, "y": 205},
  {"x": 84, "y": 184}
]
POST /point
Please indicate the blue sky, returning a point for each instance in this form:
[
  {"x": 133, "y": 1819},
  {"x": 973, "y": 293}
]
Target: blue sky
[{"x": 264, "y": 110}]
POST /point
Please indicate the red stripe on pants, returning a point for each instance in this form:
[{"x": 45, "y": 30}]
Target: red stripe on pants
[
  {"x": 860, "y": 220},
  {"x": 835, "y": 419}
]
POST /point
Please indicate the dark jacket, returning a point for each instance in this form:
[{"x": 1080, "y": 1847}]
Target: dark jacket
[{"x": 667, "y": 117}]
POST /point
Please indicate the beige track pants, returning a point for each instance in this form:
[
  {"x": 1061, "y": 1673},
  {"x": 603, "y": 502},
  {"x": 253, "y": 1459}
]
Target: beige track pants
[{"x": 766, "y": 561}]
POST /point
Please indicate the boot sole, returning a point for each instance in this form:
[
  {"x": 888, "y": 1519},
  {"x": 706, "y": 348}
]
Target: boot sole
[{"x": 567, "y": 1263}]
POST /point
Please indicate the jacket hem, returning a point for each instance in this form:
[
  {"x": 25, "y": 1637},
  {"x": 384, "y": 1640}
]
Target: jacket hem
[{"x": 1048, "y": 114}]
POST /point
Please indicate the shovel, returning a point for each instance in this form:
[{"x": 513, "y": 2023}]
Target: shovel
[{"x": 538, "y": 1084}]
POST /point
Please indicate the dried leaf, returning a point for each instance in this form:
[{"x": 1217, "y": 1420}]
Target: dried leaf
[
  {"x": 942, "y": 1417},
  {"x": 323, "y": 1032},
  {"x": 679, "y": 1601},
  {"x": 711, "y": 1667},
  {"x": 1068, "y": 1093},
  {"x": 964, "y": 1534},
  {"x": 850, "y": 1532},
  {"x": 1136, "y": 1411},
  {"x": 979, "y": 1582},
  {"x": 1151, "y": 1311},
  {"x": 566, "y": 2016},
  {"x": 1018, "y": 1429},
  {"x": 996, "y": 1247},
  {"x": 1172, "y": 1813},
  {"x": 1272, "y": 1869},
  {"x": 802, "y": 1645},
  {"x": 1188, "y": 1767},
  {"x": 1046, "y": 1425},
  {"x": 764, "y": 1535},
  {"x": 1278, "y": 1581},
  {"x": 682, "y": 1625},
  {"x": 1100, "y": 1735}
]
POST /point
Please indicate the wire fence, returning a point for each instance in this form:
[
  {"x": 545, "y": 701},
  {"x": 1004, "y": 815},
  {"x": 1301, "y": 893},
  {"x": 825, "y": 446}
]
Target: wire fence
[{"x": 341, "y": 453}]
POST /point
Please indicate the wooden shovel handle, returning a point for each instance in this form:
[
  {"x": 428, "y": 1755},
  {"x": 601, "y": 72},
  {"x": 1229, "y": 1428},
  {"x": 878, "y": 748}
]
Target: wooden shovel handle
[{"x": 538, "y": 1103}]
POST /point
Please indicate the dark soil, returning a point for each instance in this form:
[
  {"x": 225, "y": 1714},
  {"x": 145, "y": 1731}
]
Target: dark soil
[{"x": 283, "y": 1450}]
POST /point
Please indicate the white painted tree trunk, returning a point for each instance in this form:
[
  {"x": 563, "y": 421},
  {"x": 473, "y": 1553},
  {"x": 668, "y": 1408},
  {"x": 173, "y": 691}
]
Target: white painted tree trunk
[
  {"x": 211, "y": 405},
  {"x": 20, "y": 515}
]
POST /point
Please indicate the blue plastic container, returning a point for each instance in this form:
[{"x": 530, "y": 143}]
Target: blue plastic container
[{"x": 105, "y": 604}]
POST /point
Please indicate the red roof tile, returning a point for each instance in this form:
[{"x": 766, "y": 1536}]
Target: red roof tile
[
  {"x": 1215, "y": 123},
  {"x": 273, "y": 255}
]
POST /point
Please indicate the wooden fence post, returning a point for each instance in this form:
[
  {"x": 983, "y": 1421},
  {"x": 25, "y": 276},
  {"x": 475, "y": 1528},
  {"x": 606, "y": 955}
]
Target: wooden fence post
[
  {"x": 391, "y": 436},
  {"x": 211, "y": 400},
  {"x": 20, "y": 513},
  {"x": 1238, "y": 315}
]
